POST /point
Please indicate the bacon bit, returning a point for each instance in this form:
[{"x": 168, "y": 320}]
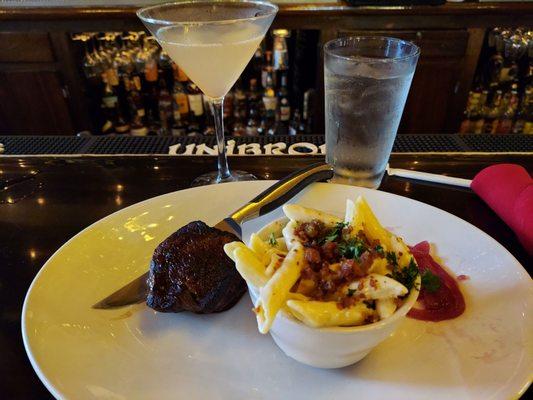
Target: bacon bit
[
  {"x": 329, "y": 250},
  {"x": 327, "y": 286},
  {"x": 347, "y": 268},
  {"x": 307, "y": 273},
  {"x": 312, "y": 255},
  {"x": 348, "y": 301},
  {"x": 373, "y": 282},
  {"x": 366, "y": 260},
  {"x": 306, "y": 286},
  {"x": 334, "y": 267},
  {"x": 361, "y": 285},
  {"x": 463, "y": 278}
]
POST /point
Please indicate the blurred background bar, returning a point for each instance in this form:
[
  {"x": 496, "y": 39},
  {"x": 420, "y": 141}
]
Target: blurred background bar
[{"x": 90, "y": 68}]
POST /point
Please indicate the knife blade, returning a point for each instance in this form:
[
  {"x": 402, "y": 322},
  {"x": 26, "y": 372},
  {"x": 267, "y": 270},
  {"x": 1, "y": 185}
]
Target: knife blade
[{"x": 276, "y": 195}]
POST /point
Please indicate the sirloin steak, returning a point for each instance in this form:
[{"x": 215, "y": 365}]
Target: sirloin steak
[{"x": 190, "y": 271}]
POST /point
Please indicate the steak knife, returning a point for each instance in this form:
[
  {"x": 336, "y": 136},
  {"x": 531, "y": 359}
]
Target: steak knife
[{"x": 267, "y": 201}]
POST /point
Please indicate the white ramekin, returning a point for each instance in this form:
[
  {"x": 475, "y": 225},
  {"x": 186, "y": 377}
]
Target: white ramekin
[{"x": 331, "y": 347}]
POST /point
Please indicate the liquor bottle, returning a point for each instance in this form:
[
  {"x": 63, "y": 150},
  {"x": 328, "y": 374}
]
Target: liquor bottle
[
  {"x": 270, "y": 124},
  {"x": 151, "y": 100},
  {"x": 196, "y": 105},
  {"x": 136, "y": 106},
  {"x": 267, "y": 68},
  {"x": 296, "y": 126},
  {"x": 257, "y": 63},
  {"x": 478, "y": 111},
  {"x": 240, "y": 109},
  {"x": 466, "y": 124},
  {"x": 228, "y": 107},
  {"x": 252, "y": 125},
  {"x": 522, "y": 114},
  {"x": 509, "y": 107},
  {"x": 109, "y": 106},
  {"x": 165, "y": 67},
  {"x": 284, "y": 106},
  {"x": 269, "y": 97},
  {"x": 254, "y": 97},
  {"x": 281, "y": 51},
  {"x": 180, "y": 106},
  {"x": 165, "y": 109},
  {"x": 494, "y": 112},
  {"x": 238, "y": 128},
  {"x": 122, "y": 125}
]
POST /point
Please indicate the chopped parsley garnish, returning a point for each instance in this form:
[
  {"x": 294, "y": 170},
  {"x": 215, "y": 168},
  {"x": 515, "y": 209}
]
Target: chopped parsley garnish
[
  {"x": 272, "y": 240},
  {"x": 379, "y": 249},
  {"x": 351, "y": 292},
  {"x": 407, "y": 275},
  {"x": 352, "y": 248},
  {"x": 430, "y": 281},
  {"x": 391, "y": 258},
  {"x": 336, "y": 232}
]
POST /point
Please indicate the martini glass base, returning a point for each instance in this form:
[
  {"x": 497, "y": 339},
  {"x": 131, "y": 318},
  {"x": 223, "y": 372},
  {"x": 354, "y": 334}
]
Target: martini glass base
[{"x": 211, "y": 178}]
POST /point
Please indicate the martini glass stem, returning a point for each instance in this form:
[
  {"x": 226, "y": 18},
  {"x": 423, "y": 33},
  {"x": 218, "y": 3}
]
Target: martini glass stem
[{"x": 217, "y": 110}]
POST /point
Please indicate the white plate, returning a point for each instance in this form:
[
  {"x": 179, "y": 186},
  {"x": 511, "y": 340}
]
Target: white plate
[{"x": 136, "y": 353}]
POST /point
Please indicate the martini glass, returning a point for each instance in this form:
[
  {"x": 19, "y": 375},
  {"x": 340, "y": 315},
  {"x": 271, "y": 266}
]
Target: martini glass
[{"x": 212, "y": 41}]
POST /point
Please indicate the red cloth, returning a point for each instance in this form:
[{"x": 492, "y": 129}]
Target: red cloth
[{"x": 508, "y": 190}]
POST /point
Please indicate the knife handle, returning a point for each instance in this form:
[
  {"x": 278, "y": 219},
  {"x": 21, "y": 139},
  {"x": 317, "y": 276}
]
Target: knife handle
[{"x": 282, "y": 191}]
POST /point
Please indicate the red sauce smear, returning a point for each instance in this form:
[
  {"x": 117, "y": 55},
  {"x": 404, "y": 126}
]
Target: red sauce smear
[{"x": 447, "y": 302}]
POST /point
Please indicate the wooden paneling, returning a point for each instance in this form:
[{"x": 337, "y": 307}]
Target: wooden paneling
[
  {"x": 25, "y": 47},
  {"x": 431, "y": 96},
  {"x": 33, "y": 103}
]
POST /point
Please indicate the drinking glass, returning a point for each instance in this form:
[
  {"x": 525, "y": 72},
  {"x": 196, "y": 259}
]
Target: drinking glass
[
  {"x": 212, "y": 41},
  {"x": 366, "y": 80}
]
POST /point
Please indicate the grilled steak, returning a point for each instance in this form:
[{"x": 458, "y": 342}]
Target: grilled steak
[{"x": 190, "y": 271}]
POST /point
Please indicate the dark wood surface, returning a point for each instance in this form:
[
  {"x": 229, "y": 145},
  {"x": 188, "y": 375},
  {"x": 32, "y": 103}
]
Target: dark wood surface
[{"x": 48, "y": 200}]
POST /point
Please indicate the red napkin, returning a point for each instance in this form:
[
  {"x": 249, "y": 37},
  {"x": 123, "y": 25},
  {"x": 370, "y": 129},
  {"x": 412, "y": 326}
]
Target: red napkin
[{"x": 508, "y": 190}]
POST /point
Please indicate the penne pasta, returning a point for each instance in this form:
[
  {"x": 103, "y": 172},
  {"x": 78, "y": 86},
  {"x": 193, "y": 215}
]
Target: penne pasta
[
  {"x": 385, "y": 307},
  {"x": 289, "y": 235},
  {"x": 326, "y": 313},
  {"x": 370, "y": 224},
  {"x": 274, "y": 294},
  {"x": 260, "y": 248},
  {"x": 402, "y": 251},
  {"x": 374, "y": 287},
  {"x": 296, "y": 212},
  {"x": 332, "y": 257},
  {"x": 275, "y": 262},
  {"x": 353, "y": 217},
  {"x": 229, "y": 248},
  {"x": 250, "y": 267},
  {"x": 280, "y": 244},
  {"x": 379, "y": 266}
]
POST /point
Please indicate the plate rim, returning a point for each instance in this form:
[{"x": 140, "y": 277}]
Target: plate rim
[{"x": 263, "y": 183}]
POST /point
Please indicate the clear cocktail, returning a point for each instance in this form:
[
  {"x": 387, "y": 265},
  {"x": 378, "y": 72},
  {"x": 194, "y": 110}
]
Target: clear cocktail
[{"x": 212, "y": 41}]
